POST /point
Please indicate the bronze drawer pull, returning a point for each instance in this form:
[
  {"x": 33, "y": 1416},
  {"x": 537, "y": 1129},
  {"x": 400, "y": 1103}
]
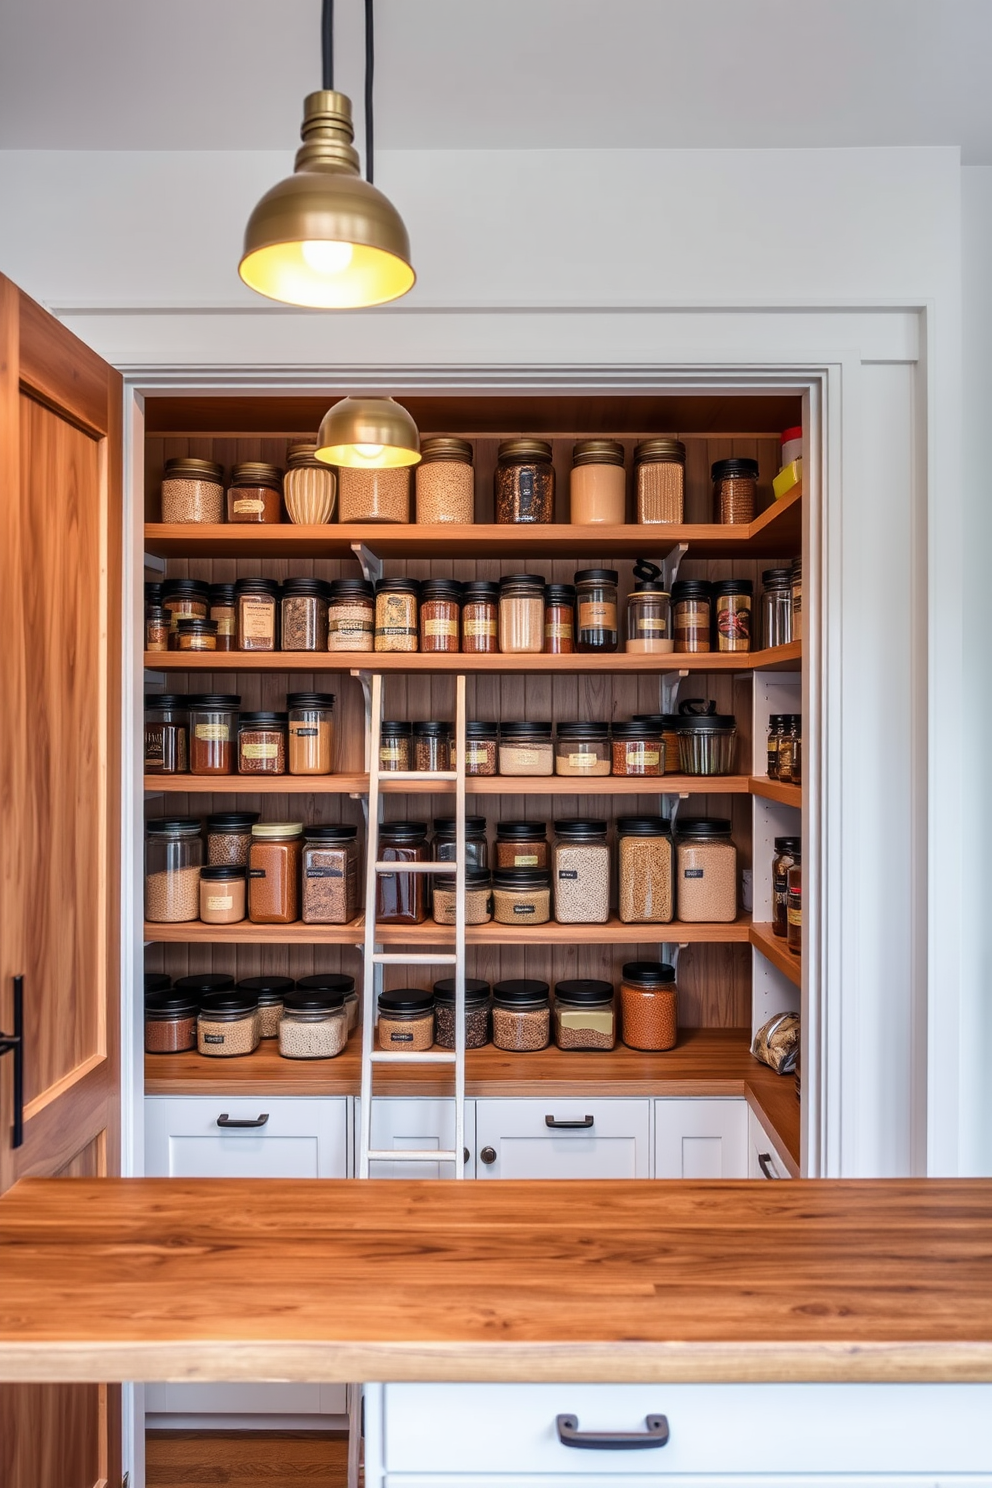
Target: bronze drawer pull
[
  {"x": 226, "y": 1121},
  {"x": 612, "y": 1441},
  {"x": 582, "y": 1125}
]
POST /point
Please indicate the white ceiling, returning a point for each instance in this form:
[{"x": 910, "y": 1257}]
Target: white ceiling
[{"x": 503, "y": 74}]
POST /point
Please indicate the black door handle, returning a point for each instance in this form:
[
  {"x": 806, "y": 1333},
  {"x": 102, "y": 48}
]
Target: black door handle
[
  {"x": 13, "y": 1043},
  {"x": 225, "y": 1120},
  {"x": 582, "y": 1125},
  {"x": 765, "y": 1164},
  {"x": 612, "y": 1441}
]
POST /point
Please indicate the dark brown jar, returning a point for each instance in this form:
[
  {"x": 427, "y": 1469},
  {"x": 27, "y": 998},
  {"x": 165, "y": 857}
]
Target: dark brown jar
[
  {"x": 255, "y": 493},
  {"x": 525, "y": 482},
  {"x": 185, "y": 599},
  {"x": 196, "y": 635},
  {"x": 440, "y": 614},
  {"x": 402, "y": 898},
  {"x": 222, "y": 613},
  {"x": 480, "y": 618},
  {"x": 257, "y": 619},
  {"x": 559, "y": 619},
  {"x": 213, "y": 724},
  {"x": 521, "y": 844},
  {"x": 598, "y": 625},
  {"x": 788, "y": 850},
  {"x": 166, "y": 734}
]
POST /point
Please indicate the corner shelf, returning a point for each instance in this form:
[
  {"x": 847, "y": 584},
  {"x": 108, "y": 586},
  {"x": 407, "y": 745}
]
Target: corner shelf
[
  {"x": 429, "y": 935},
  {"x": 356, "y": 784},
  {"x": 773, "y": 790},
  {"x": 774, "y": 949}
]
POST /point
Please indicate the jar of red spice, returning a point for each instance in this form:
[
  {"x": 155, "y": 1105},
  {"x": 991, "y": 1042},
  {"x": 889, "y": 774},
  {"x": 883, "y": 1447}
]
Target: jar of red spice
[
  {"x": 274, "y": 860},
  {"x": 255, "y": 493},
  {"x": 480, "y": 617},
  {"x": 440, "y": 614},
  {"x": 559, "y": 619},
  {"x": 170, "y": 1022},
  {"x": 213, "y": 721}
]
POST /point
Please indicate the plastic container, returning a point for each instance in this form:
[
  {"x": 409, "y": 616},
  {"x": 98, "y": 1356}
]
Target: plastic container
[
  {"x": 559, "y": 619},
  {"x": 581, "y": 872},
  {"x": 311, "y": 733},
  {"x": 521, "y": 614},
  {"x": 262, "y": 743},
  {"x": 303, "y": 615},
  {"x": 310, "y": 487},
  {"x": 521, "y": 1015},
  {"x": 192, "y": 491},
  {"x": 313, "y": 1025},
  {"x": 213, "y": 725},
  {"x": 376, "y": 495},
  {"x": 170, "y": 1022},
  {"x": 521, "y": 896},
  {"x": 598, "y": 487},
  {"x": 476, "y": 846},
  {"x": 480, "y": 618},
  {"x": 270, "y": 992},
  {"x": 255, "y": 493},
  {"x": 396, "y": 614},
  {"x": 406, "y": 1019},
  {"x": 597, "y": 623},
  {"x": 445, "y": 481},
  {"x": 351, "y": 616},
  {"x": 521, "y": 844},
  {"x": 402, "y": 898},
  {"x": 256, "y": 603},
  {"x": 228, "y": 1025},
  {"x": 476, "y": 1013},
  {"x": 646, "y": 870},
  {"x": 735, "y": 490},
  {"x": 692, "y": 612},
  {"x": 526, "y": 749},
  {"x": 585, "y": 1014},
  {"x": 649, "y": 620},
  {"x": 229, "y": 837},
  {"x": 395, "y": 749},
  {"x": 659, "y": 480},
  {"x": 582, "y": 749},
  {"x": 478, "y": 898},
  {"x": 707, "y": 739},
  {"x": 524, "y": 483},
  {"x": 166, "y": 734},
  {"x": 173, "y": 859},
  {"x": 329, "y": 875},
  {"x": 637, "y": 749},
  {"x": 649, "y": 1005},
  {"x": 706, "y": 871},
  {"x": 222, "y": 894},
  {"x": 274, "y": 873},
  {"x": 732, "y": 614}
]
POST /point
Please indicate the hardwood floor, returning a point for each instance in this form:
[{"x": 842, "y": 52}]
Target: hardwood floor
[{"x": 246, "y": 1459}]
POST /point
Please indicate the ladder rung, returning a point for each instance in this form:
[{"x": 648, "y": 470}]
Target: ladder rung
[
  {"x": 403, "y": 1056},
  {"x": 443, "y": 868},
  {"x": 397, "y": 958},
  {"x": 387, "y": 775},
  {"x": 413, "y": 1155}
]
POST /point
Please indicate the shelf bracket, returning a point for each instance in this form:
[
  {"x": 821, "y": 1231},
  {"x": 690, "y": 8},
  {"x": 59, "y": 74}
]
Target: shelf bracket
[
  {"x": 670, "y": 684},
  {"x": 155, "y": 563},
  {"x": 671, "y": 562},
  {"x": 371, "y": 565},
  {"x": 670, "y": 952}
]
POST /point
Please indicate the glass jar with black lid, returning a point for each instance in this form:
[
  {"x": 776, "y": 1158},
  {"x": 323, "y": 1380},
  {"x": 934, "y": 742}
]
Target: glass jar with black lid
[
  {"x": 524, "y": 482},
  {"x": 521, "y": 614},
  {"x": 476, "y": 846},
  {"x": 637, "y": 748},
  {"x": 166, "y": 734},
  {"x": 481, "y": 748},
  {"x": 185, "y": 599},
  {"x": 732, "y": 614},
  {"x": 314, "y": 1024},
  {"x": 223, "y": 614},
  {"x": 582, "y": 748},
  {"x": 431, "y": 745},
  {"x": 597, "y": 625},
  {"x": 334, "y": 981},
  {"x": 173, "y": 859},
  {"x": 522, "y": 844},
  {"x": 227, "y": 1025},
  {"x": 478, "y": 900},
  {"x": 402, "y": 898},
  {"x": 229, "y": 837},
  {"x": 395, "y": 744},
  {"x": 262, "y": 743},
  {"x": 707, "y": 739},
  {"x": 735, "y": 490},
  {"x": 525, "y": 748},
  {"x": 396, "y": 608},
  {"x": 196, "y": 635},
  {"x": 476, "y": 1013},
  {"x": 406, "y": 1019},
  {"x": 351, "y": 616},
  {"x": 213, "y": 722},
  {"x": 692, "y": 613},
  {"x": 649, "y": 619},
  {"x": 521, "y": 1015},
  {"x": 170, "y": 1022},
  {"x": 440, "y": 615},
  {"x": 776, "y": 607},
  {"x": 559, "y": 619},
  {"x": 330, "y": 874},
  {"x": 480, "y": 617},
  {"x": 256, "y": 603},
  {"x": 255, "y": 493},
  {"x": 585, "y": 1016},
  {"x": 270, "y": 992},
  {"x": 303, "y": 614}
]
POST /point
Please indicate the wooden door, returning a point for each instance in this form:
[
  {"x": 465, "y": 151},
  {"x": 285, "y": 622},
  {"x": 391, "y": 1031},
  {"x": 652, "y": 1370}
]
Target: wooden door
[{"x": 60, "y": 664}]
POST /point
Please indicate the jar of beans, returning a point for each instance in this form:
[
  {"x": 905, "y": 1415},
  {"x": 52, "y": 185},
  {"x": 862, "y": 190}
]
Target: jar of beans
[
  {"x": 478, "y": 901},
  {"x": 649, "y": 1005},
  {"x": 229, "y": 837},
  {"x": 788, "y": 850},
  {"x": 597, "y": 628},
  {"x": 402, "y": 898},
  {"x": 310, "y": 487},
  {"x": 192, "y": 491},
  {"x": 637, "y": 749},
  {"x": 228, "y": 1025},
  {"x": 255, "y": 493},
  {"x": 659, "y": 480},
  {"x": 173, "y": 858},
  {"x": 735, "y": 490},
  {"x": 524, "y": 482},
  {"x": 705, "y": 871},
  {"x": 521, "y": 896},
  {"x": 581, "y": 867},
  {"x": 185, "y": 599},
  {"x": 256, "y": 615},
  {"x": 692, "y": 601},
  {"x": 559, "y": 619},
  {"x": 311, "y": 732},
  {"x": 351, "y": 616},
  {"x": 526, "y": 749},
  {"x": 440, "y": 614},
  {"x": 196, "y": 635},
  {"x": 213, "y": 721},
  {"x": 521, "y": 614},
  {"x": 274, "y": 873},
  {"x": 649, "y": 619},
  {"x": 156, "y": 628},
  {"x": 303, "y": 615},
  {"x": 330, "y": 875},
  {"x": 313, "y": 1025},
  {"x": 334, "y": 981},
  {"x": 732, "y": 614},
  {"x": 223, "y": 614},
  {"x": 598, "y": 490},
  {"x": 480, "y": 748},
  {"x": 521, "y": 844},
  {"x": 170, "y": 1022},
  {"x": 646, "y": 861},
  {"x": 270, "y": 992},
  {"x": 377, "y": 495},
  {"x": 480, "y": 618},
  {"x": 582, "y": 748},
  {"x": 476, "y": 1013},
  {"x": 521, "y": 1015},
  {"x": 396, "y": 614},
  {"x": 222, "y": 894},
  {"x": 395, "y": 752},
  {"x": 445, "y": 481},
  {"x": 166, "y": 734},
  {"x": 431, "y": 745},
  {"x": 445, "y": 838},
  {"x": 406, "y": 1019},
  {"x": 262, "y": 743},
  {"x": 584, "y": 1014}
]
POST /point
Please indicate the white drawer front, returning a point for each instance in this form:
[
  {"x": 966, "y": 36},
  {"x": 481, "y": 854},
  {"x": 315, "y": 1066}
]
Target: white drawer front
[
  {"x": 764, "y": 1160},
  {"x": 490, "y": 1430},
  {"x": 417, "y": 1124},
  {"x": 700, "y": 1138},
  {"x": 514, "y": 1140},
  {"x": 299, "y": 1139}
]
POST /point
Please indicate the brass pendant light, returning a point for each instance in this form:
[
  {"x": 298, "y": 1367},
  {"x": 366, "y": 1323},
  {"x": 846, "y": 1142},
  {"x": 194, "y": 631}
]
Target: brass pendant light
[
  {"x": 324, "y": 237},
  {"x": 368, "y": 434}
]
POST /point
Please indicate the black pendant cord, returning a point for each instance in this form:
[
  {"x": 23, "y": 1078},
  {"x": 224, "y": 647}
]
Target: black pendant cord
[
  {"x": 327, "y": 44},
  {"x": 369, "y": 79}
]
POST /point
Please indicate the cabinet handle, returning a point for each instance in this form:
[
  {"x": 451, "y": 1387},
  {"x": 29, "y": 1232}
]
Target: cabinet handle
[
  {"x": 612, "y": 1441},
  {"x": 765, "y": 1164},
  {"x": 225, "y": 1120},
  {"x": 488, "y": 1156},
  {"x": 582, "y": 1125},
  {"x": 13, "y": 1043}
]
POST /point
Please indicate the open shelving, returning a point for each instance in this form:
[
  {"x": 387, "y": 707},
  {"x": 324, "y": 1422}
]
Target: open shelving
[
  {"x": 424, "y": 936},
  {"x": 357, "y": 784}
]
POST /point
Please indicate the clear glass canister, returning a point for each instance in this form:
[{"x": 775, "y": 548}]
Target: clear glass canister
[
  {"x": 637, "y": 749},
  {"x": 445, "y": 481},
  {"x": 396, "y": 614},
  {"x": 476, "y": 846},
  {"x": 270, "y": 992},
  {"x": 330, "y": 875},
  {"x": 222, "y": 894},
  {"x": 788, "y": 850},
  {"x": 256, "y": 615},
  {"x": 170, "y": 1022},
  {"x": 196, "y": 635},
  {"x": 521, "y": 844},
  {"x": 402, "y": 898},
  {"x": 478, "y": 900},
  {"x": 559, "y": 619},
  {"x": 309, "y": 486},
  {"x": 521, "y": 896},
  {"x": 524, "y": 482},
  {"x": 311, "y": 732},
  {"x": 776, "y": 607},
  {"x": 431, "y": 745},
  {"x": 581, "y": 870},
  {"x": 228, "y": 1025},
  {"x": 659, "y": 480},
  {"x": 476, "y": 1013},
  {"x": 707, "y": 739},
  {"x": 223, "y": 614},
  {"x": 395, "y": 745},
  {"x": 166, "y": 734},
  {"x": 313, "y": 1025},
  {"x": 521, "y": 614},
  {"x": 173, "y": 859},
  {"x": 262, "y": 738},
  {"x": 582, "y": 749},
  {"x": 597, "y": 622},
  {"x": 598, "y": 488},
  {"x": 156, "y": 628},
  {"x": 274, "y": 872},
  {"x": 185, "y": 599},
  {"x": 526, "y": 749},
  {"x": 303, "y": 615},
  {"x": 705, "y": 871},
  {"x": 692, "y": 601},
  {"x": 521, "y": 1015},
  {"x": 376, "y": 495},
  {"x": 213, "y": 723},
  {"x": 255, "y": 493},
  {"x": 649, "y": 619},
  {"x": 649, "y": 1005},
  {"x": 481, "y": 748},
  {"x": 406, "y": 1019},
  {"x": 664, "y": 725},
  {"x": 440, "y": 615},
  {"x": 585, "y": 1015},
  {"x": 480, "y": 618},
  {"x": 735, "y": 490},
  {"x": 732, "y": 614},
  {"x": 351, "y": 616},
  {"x": 334, "y": 981},
  {"x": 646, "y": 870},
  {"x": 192, "y": 491}
]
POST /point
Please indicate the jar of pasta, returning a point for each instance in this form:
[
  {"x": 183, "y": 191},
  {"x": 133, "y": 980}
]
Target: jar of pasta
[{"x": 255, "y": 493}]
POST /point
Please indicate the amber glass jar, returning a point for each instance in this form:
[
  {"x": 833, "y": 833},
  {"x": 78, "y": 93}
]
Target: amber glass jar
[
  {"x": 196, "y": 635},
  {"x": 598, "y": 488},
  {"x": 192, "y": 491},
  {"x": 440, "y": 614},
  {"x": 156, "y": 628},
  {"x": 213, "y": 723},
  {"x": 559, "y": 619},
  {"x": 395, "y": 751},
  {"x": 649, "y": 1005},
  {"x": 274, "y": 873},
  {"x": 445, "y": 481},
  {"x": 396, "y": 614},
  {"x": 351, "y": 616},
  {"x": 659, "y": 480},
  {"x": 257, "y": 614},
  {"x": 735, "y": 490},
  {"x": 692, "y": 602},
  {"x": 255, "y": 493},
  {"x": 166, "y": 733},
  {"x": 402, "y": 898},
  {"x": 223, "y": 614},
  {"x": 732, "y": 614},
  {"x": 311, "y": 733},
  {"x": 596, "y": 610},
  {"x": 310, "y": 487},
  {"x": 794, "y": 908},
  {"x": 480, "y": 617},
  {"x": 525, "y": 482},
  {"x": 788, "y": 850}
]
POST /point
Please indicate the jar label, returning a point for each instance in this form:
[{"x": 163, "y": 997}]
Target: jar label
[
  {"x": 441, "y": 627},
  {"x": 220, "y": 901},
  {"x": 303, "y": 731},
  {"x": 252, "y": 504},
  {"x": 597, "y": 614},
  {"x": 390, "y": 754},
  {"x": 795, "y": 916},
  {"x": 693, "y": 873},
  {"x": 197, "y": 643},
  {"x": 479, "y": 627},
  {"x": 401, "y": 1038},
  {"x": 258, "y": 617},
  {"x": 476, "y": 754},
  {"x": 260, "y": 751},
  {"x": 154, "y": 739},
  {"x": 213, "y": 733},
  {"x": 349, "y": 627},
  {"x": 525, "y": 860},
  {"x": 559, "y": 630},
  {"x": 568, "y": 873},
  {"x": 524, "y": 909},
  {"x": 692, "y": 618},
  {"x": 733, "y": 620},
  {"x": 213, "y": 1038},
  {"x": 655, "y": 629},
  {"x": 225, "y": 626},
  {"x": 396, "y": 630},
  {"x": 638, "y": 755},
  {"x": 582, "y": 761},
  {"x": 527, "y": 496},
  {"x": 256, "y": 872},
  {"x": 324, "y": 873}
]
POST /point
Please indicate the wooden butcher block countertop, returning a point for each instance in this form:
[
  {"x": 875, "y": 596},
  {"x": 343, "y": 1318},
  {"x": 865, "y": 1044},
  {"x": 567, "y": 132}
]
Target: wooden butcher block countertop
[{"x": 152, "y": 1279}]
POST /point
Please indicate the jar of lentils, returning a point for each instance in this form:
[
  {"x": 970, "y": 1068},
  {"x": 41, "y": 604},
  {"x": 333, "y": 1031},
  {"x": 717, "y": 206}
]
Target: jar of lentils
[
  {"x": 637, "y": 749},
  {"x": 480, "y": 618},
  {"x": 649, "y": 1005},
  {"x": 229, "y": 837},
  {"x": 313, "y": 1025},
  {"x": 521, "y": 1015},
  {"x": 255, "y": 493},
  {"x": 394, "y": 745},
  {"x": 303, "y": 617},
  {"x": 192, "y": 491},
  {"x": 396, "y": 614},
  {"x": 735, "y": 490},
  {"x": 646, "y": 860},
  {"x": 432, "y": 745},
  {"x": 351, "y": 616},
  {"x": 445, "y": 481},
  {"x": 381, "y": 495},
  {"x": 476, "y": 1013},
  {"x": 173, "y": 858},
  {"x": 440, "y": 614},
  {"x": 525, "y": 482},
  {"x": 659, "y": 480}
]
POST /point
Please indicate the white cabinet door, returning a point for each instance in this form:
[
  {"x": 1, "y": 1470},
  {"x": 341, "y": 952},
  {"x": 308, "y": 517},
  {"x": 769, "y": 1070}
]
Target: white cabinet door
[
  {"x": 764, "y": 1160},
  {"x": 698, "y": 1137},
  {"x": 417, "y": 1123},
  {"x": 254, "y": 1136},
  {"x": 558, "y": 1138}
]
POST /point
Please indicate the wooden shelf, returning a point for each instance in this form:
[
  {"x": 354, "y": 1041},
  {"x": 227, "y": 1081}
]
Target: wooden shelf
[
  {"x": 485, "y": 785},
  {"x": 423, "y": 937},
  {"x": 775, "y": 950},
  {"x": 772, "y": 790}
]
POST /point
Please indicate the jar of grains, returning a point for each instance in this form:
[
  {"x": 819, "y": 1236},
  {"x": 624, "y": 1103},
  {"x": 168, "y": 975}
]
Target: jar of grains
[
  {"x": 192, "y": 491},
  {"x": 396, "y": 614},
  {"x": 649, "y": 619},
  {"x": 270, "y": 992},
  {"x": 559, "y": 619},
  {"x": 402, "y": 898},
  {"x": 166, "y": 734},
  {"x": 156, "y": 628},
  {"x": 659, "y": 480},
  {"x": 582, "y": 749},
  {"x": 330, "y": 875},
  {"x": 596, "y": 609},
  {"x": 256, "y": 615},
  {"x": 521, "y": 844},
  {"x": 311, "y": 732},
  {"x": 649, "y": 1005},
  {"x": 274, "y": 873},
  {"x": 228, "y": 1025},
  {"x": 185, "y": 599},
  {"x": 229, "y": 837},
  {"x": 445, "y": 481},
  {"x": 707, "y": 739},
  {"x": 524, "y": 482},
  {"x": 406, "y": 1019},
  {"x": 776, "y": 607},
  {"x": 480, "y": 748},
  {"x": 310, "y": 487},
  {"x": 395, "y": 745},
  {"x": 222, "y": 894},
  {"x": 255, "y": 493},
  {"x": 440, "y": 614},
  {"x": 196, "y": 635},
  {"x": 170, "y": 1022},
  {"x": 581, "y": 867},
  {"x": 381, "y": 495},
  {"x": 222, "y": 613},
  {"x": 638, "y": 749},
  {"x": 521, "y": 613},
  {"x": 584, "y": 1014},
  {"x": 314, "y": 1025},
  {"x": 706, "y": 871},
  {"x": 788, "y": 850},
  {"x": 691, "y": 614},
  {"x": 732, "y": 614},
  {"x": 735, "y": 490},
  {"x": 521, "y": 896},
  {"x": 213, "y": 720},
  {"x": 794, "y": 908},
  {"x": 431, "y": 745},
  {"x": 351, "y": 616},
  {"x": 598, "y": 488},
  {"x": 476, "y": 847},
  {"x": 480, "y": 618},
  {"x": 526, "y": 749},
  {"x": 478, "y": 901},
  {"x": 303, "y": 614},
  {"x": 334, "y": 981},
  {"x": 476, "y": 1013},
  {"x": 646, "y": 859},
  {"x": 173, "y": 858},
  {"x": 262, "y": 743},
  {"x": 521, "y": 1015}
]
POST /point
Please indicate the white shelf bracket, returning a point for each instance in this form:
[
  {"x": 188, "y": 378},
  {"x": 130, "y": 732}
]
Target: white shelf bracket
[
  {"x": 670, "y": 684},
  {"x": 154, "y": 563},
  {"x": 370, "y": 564}
]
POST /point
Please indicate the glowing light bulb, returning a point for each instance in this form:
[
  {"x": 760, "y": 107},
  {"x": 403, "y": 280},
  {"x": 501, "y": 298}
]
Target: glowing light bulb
[
  {"x": 369, "y": 451},
  {"x": 328, "y": 258}
]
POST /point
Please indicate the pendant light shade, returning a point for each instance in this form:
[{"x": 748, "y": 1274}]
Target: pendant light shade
[
  {"x": 324, "y": 237},
  {"x": 368, "y": 434}
]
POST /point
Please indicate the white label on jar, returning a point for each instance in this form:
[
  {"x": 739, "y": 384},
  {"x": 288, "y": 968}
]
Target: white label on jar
[
  {"x": 257, "y": 617},
  {"x": 213, "y": 733},
  {"x": 525, "y": 860},
  {"x": 220, "y": 901},
  {"x": 441, "y": 627},
  {"x": 260, "y": 751},
  {"x": 581, "y": 761},
  {"x": 638, "y": 755},
  {"x": 251, "y": 504}
]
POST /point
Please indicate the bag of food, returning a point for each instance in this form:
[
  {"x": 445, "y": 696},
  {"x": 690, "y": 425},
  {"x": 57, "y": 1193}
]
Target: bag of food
[{"x": 777, "y": 1043}]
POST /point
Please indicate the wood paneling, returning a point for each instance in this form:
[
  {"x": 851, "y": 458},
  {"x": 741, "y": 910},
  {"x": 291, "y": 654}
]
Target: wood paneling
[
  {"x": 53, "y": 1436},
  {"x": 246, "y": 1459},
  {"x": 89, "y": 1162}
]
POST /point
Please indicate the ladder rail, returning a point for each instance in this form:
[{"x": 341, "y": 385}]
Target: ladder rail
[
  {"x": 372, "y": 971},
  {"x": 460, "y": 869}
]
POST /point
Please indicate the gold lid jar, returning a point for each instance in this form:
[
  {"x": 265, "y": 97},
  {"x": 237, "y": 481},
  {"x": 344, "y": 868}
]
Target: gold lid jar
[
  {"x": 445, "y": 481},
  {"x": 659, "y": 479},
  {"x": 310, "y": 487},
  {"x": 255, "y": 493},
  {"x": 598, "y": 486},
  {"x": 192, "y": 490}
]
